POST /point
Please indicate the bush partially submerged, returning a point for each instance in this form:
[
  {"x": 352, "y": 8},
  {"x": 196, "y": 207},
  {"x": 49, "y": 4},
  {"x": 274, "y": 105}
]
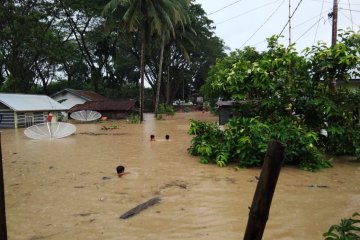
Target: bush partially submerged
[
  {"x": 348, "y": 229},
  {"x": 244, "y": 142}
]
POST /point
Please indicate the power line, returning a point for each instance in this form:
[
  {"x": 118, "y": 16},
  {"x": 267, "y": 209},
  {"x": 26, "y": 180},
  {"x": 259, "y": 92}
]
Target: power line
[
  {"x": 347, "y": 17},
  {"x": 317, "y": 27},
  {"x": 224, "y": 7},
  {"x": 264, "y": 23},
  {"x": 352, "y": 23},
  {"x": 244, "y": 13},
  {"x": 308, "y": 20},
  {"x": 291, "y": 16},
  {"x": 350, "y": 9},
  {"x": 332, "y": 2},
  {"x": 308, "y": 30}
]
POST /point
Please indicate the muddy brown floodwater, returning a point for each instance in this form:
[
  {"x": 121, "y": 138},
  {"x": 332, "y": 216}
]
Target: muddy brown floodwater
[{"x": 68, "y": 189}]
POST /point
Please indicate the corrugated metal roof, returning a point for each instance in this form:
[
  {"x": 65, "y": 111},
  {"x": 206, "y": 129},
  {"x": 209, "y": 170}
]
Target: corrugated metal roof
[
  {"x": 87, "y": 95},
  {"x": 109, "y": 105},
  {"x": 29, "y": 102}
]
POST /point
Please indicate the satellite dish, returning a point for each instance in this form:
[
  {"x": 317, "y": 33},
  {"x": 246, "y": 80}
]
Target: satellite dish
[
  {"x": 85, "y": 115},
  {"x": 50, "y": 130}
]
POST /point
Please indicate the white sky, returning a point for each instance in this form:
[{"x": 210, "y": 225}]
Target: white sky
[{"x": 250, "y": 22}]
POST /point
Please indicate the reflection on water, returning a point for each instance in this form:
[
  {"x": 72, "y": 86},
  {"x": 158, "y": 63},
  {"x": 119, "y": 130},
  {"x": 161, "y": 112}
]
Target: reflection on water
[{"x": 68, "y": 188}]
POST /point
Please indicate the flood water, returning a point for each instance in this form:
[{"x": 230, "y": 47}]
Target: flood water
[{"x": 68, "y": 188}]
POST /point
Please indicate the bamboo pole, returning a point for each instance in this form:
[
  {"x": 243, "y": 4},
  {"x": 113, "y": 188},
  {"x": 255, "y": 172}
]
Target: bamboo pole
[{"x": 260, "y": 208}]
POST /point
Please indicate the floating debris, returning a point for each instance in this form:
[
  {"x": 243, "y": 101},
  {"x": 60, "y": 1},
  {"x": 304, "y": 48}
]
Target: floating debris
[
  {"x": 140, "y": 207},
  {"x": 318, "y": 186}
]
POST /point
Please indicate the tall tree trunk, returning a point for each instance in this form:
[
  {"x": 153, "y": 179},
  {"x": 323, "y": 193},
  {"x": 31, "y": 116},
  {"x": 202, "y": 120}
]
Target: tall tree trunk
[
  {"x": 168, "y": 86},
  {"x": 142, "y": 75},
  {"x": 95, "y": 78},
  {"x": 157, "y": 99}
]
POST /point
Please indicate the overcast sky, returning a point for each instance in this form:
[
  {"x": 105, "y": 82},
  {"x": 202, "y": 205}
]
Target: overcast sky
[{"x": 250, "y": 22}]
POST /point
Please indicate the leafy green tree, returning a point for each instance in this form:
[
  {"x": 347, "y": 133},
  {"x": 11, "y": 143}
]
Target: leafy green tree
[
  {"x": 289, "y": 93},
  {"x": 29, "y": 45},
  {"x": 335, "y": 62},
  {"x": 84, "y": 26}
]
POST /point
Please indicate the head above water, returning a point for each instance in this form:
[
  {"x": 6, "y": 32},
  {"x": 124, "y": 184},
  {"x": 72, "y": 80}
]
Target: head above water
[
  {"x": 152, "y": 137},
  {"x": 120, "y": 169},
  {"x": 167, "y": 137}
]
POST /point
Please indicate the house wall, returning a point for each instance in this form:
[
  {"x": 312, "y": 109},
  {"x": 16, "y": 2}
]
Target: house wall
[
  {"x": 31, "y": 118},
  {"x": 225, "y": 113},
  {"x": 24, "y": 119},
  {"x": 7, "y": 119},
  {"x": 71, "y": 99}
]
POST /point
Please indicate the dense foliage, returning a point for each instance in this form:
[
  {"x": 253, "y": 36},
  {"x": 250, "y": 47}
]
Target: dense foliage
[
  {"x": 245, "y": 141},
  {"x": 288, "y": 97},
  {"x": 46, "y": 46}
]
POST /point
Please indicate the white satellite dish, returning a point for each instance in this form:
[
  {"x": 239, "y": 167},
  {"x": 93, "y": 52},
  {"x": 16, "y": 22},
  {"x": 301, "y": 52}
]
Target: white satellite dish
[
  {"x": 85, "y": 115},
  {"x": 50, "y": 130}
]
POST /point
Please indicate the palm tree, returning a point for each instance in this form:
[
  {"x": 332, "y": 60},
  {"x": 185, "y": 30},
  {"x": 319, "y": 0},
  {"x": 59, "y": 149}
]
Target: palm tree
[
  {"x": 146, "y": 17},
  {"x": 180, "y": 18}
]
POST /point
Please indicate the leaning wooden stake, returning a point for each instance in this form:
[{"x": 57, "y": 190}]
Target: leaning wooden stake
[
  {"x": 3, "y": 231},
  {"x": 140, "y": 207},
  {"x": 260, "y": 208}
]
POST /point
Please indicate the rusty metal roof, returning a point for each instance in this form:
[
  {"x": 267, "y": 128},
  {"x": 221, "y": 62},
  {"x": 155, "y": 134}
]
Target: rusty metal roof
[
  {"x": 109, "y": 105},
  {"x": 87, "y": 95},
  {"x": 30, "y": 102}
]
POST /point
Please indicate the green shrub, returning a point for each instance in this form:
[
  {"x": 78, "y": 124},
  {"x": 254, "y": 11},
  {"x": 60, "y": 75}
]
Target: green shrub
[
  {"x": 245, "y": 141},
  {"x": 166, "y": 109},
  {"x": 301, "y": 145},
  {"x": 207, "y": 143},
  {"x": 348, "y": 229},
  {"x": 134, "y": 119}
]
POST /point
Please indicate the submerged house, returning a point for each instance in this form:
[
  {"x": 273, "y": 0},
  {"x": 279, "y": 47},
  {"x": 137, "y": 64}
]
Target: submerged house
[
  {"x": 112, "y": 109},
  {"x": 24, "y": 110},
  {"x": 229, "y": 109},
  {"x": 226, "y": 111},
  {"x": 71, "y": 97}
]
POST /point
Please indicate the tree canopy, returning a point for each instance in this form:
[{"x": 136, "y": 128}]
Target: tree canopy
[
  {"x": 50, "y": 45},
  {"x": 285, "y": 96}
]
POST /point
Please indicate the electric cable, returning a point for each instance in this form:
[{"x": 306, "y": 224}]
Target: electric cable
[
  {"x": 307, "y": 30},
  {"x": 224, "y": 7},
  {"x": 308, "y": 20},
  {"x": 332, "y": 2},
  {"x": 246, "y": 12},
  {"x": 352, "y": 23},
  {"x": 350, "y": 9},
  {"x": 347, "y": 17},
  {"x": 317, "y": 27},
  {"x": 264, "y": 23},
  {"x": 290, "y": 17}
]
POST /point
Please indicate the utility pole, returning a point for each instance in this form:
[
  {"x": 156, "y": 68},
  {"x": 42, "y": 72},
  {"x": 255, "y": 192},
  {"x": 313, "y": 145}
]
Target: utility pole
[
  {"x": 3, "y": 231},
  {"x": 334, "y": 23},
  {"x": 333, "y": 38},
  {"x": 289, "y": 23}
]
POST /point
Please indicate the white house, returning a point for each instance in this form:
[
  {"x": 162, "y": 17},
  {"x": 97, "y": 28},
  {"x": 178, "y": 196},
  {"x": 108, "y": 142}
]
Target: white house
[
  {"x": 24, "y": 110},
  {"x": 70, "y": 97}
]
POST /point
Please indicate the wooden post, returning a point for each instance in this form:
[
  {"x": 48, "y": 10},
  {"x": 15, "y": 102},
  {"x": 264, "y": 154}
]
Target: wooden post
[
  {"x": 260, "y": 208},
  {"x": 3, "y": 232}
]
